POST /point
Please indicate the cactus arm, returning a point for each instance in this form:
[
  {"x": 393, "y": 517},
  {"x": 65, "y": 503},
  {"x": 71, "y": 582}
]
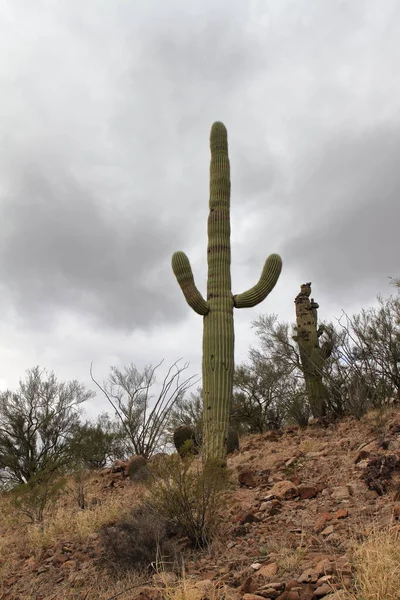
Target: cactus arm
[
  {"x": 258, "y": 293},
  {"x": 184, "y": 275}
]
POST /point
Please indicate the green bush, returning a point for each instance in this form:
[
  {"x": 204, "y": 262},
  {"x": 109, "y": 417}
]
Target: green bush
[
  {"x": 32, "y": 498},
  {"x": 189, "y": 496}
]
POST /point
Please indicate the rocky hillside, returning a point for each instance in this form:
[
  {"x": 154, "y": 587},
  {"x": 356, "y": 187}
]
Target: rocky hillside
[{"x": 313, "y": 514}]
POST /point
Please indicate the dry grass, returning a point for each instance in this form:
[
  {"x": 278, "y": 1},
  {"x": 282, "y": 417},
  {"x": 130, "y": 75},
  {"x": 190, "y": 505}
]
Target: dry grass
[
  {"x": 287, "y": 557},
  {"x": 187, "y": 589},
  {"x": 377, "y": 566},
  {"x": 78, "y": 525},
  {"x": 310, "y": 445},
  {"x": 66, "y": 521}
]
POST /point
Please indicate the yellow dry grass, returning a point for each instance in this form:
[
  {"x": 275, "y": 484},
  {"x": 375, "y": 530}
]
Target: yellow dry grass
[{"x": 377, "y": 566}]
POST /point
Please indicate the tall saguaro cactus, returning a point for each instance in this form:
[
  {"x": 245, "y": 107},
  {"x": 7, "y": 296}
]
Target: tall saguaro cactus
[
  {"x": 312, "y": 355},
  {"x": 217, "y": 309}
]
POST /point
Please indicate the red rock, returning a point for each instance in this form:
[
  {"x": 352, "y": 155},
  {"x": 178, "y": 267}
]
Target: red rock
[
  {"x": 292, "y": 583},
  {"x": 247, "y": 478},
  {"x": 295, "y": 479},
  {"x": 343, "y": 513},
  {"x": 307, "y": 491},
  {"x": 321, "y": 521},
  {"x": 324, "y": 567},
  {"x": 249, "y": 517},
  {"x": 362, "y": 455}
]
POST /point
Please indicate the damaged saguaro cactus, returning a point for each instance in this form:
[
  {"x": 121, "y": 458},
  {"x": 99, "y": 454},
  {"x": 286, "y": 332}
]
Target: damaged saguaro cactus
[
  {"x": 217, "y": 309},
  {"x": 312, "y": 355}
]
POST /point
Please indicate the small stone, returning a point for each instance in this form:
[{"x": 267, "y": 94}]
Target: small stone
[
  {"x": 289, "y": 595},
  {"x": 324, "y": 567},
  {"x": 321, "y": 522},
  {"x": 69, "y": 564},
  {"x": 249, "y": 517},
  {"x": 328, "y": 530},
  {"x": 307, "y": 491},
  {"x": 269, "y": 571},
  {"x": 322, "y": 590},
  {"x": 362, "y": 455},
  {"x": 341, "y": 492},
  {"x": 284, "y": 490},
  {"x": 309, "y": 576},
  {"x": 247, "y": 478}
]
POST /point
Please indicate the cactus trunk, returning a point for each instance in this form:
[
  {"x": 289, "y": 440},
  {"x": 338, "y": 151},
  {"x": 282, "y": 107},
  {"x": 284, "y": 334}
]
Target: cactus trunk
[
  {"x": 217, "y": 310},
  {"x": 218, "y": 332},
  {"x": 312, "y": 355}
]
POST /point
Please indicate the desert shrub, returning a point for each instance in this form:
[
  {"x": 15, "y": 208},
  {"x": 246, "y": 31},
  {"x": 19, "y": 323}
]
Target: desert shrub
[
  {"x": 144, "y": 417},
  {"x": 137, "y": 469},
  {"x": 94, "y": 445},
  {"x": 32, "y": 498},
  {"x": 138, "y": 541},
  {"x": 298, "y": 410},
  {"x": 189, "y": 496}
]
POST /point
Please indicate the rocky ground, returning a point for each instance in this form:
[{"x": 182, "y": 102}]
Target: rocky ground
[{"x": 302, "y": 502}]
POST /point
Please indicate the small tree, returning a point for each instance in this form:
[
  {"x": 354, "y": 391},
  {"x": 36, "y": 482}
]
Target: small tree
[
  {"x": 95, "y": 444},
  {"x": 32, "y": 498},
  {"x": 143, "y": 415},
  {"x": 259, "y": 395},
  {"x": 37, "y": 423}
]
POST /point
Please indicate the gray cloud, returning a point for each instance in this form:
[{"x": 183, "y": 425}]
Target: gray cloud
[
  {"x": 105, "y": 115},
  {"x": 347, "y": 212}
]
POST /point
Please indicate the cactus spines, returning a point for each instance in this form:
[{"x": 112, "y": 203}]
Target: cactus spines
[
  {"x": 217, "y": 309},
  {"x": 312, "y": 355}
]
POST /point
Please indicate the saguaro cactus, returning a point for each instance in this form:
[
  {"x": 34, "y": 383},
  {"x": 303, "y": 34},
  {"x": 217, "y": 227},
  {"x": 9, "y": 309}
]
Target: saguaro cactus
[
  {"x": 217, "y": 310},
  {"x": 312, "y": 355}
]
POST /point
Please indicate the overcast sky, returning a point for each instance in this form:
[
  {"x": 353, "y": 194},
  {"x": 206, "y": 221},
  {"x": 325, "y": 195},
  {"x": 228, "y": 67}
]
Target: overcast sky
[{"x": 105, "y": 113}]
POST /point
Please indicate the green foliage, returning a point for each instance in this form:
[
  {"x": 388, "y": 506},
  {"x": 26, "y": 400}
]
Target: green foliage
[
  {"x": 190, "y": 496},
  {"x": 41, "y": 491},
  {"x": 94, "y": 445},
  {"x": 217, "y": 309},
  {"x": 37, "y": 424}
]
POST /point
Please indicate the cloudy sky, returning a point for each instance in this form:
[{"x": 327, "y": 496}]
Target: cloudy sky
[{"x": 105, "y": 112}]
